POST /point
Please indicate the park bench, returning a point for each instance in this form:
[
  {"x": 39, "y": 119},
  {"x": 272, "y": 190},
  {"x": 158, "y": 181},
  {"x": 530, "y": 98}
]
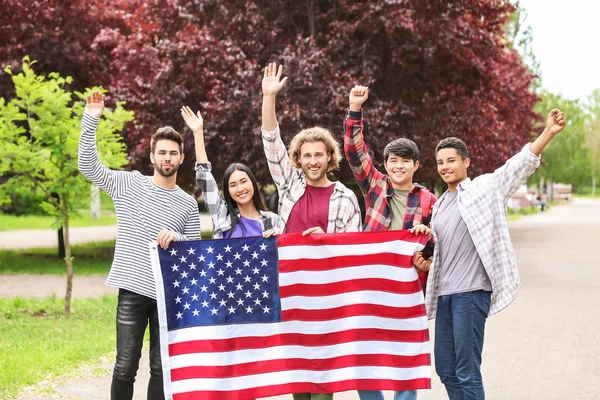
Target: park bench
[
  {"x": 562, "y": 192},
  {"x": 521, "y": 200}
]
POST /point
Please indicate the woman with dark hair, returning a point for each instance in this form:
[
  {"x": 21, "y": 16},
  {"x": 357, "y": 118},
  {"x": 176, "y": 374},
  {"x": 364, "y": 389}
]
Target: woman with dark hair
[{"x": 241, "y": 211}]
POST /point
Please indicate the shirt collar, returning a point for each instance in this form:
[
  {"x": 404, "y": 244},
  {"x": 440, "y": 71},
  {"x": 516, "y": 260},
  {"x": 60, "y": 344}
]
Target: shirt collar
[
  {"x": 464, "y": 185},
  {"x": 389, "y": 192}
]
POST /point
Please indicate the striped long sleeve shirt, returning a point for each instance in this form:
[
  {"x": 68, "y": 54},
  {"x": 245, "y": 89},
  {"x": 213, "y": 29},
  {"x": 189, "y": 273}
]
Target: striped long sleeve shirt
[{"x": 142, "y": 209}]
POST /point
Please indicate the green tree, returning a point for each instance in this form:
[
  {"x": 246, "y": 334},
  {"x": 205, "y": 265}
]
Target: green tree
[
  {"x": 592, "y": 136},
  {"x": 39, "y": 132},
  {"x": 566, "y": 159},
  {"x": 520, "y": 37}
]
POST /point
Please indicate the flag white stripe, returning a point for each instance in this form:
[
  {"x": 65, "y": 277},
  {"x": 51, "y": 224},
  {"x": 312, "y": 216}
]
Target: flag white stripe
[
  {"x": 348, "y": 274},
  {"x": 341, "y": 250},
  {"x": 352, "y": 298},
  {"x": 336, "y": 375},
  {"x": 217, "y": 332},
  {"x": 285, "y": 352}
]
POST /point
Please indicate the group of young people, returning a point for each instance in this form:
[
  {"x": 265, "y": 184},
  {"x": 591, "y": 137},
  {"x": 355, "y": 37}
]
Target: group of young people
[{"x": 468, "y": 266}]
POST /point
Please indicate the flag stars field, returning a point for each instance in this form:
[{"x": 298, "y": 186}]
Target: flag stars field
[{"x": 229, "y": 291}]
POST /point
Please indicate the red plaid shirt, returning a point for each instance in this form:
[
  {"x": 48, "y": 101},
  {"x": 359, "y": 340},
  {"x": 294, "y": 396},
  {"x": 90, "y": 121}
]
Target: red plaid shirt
[{"x": 377, "y": 187}]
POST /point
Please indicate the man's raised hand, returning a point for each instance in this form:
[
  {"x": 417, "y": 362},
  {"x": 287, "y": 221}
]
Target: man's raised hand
[
  {"x": 272, "y": 82},
  {"x": 193, "y": 121},
  {"x": 94, "y": 105},
  {"x": 358, "y": 95},
  {"x": 555, "y": 122}
]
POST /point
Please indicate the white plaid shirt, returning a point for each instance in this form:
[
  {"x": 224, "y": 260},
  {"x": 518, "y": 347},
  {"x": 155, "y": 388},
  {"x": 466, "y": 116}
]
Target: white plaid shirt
[
  {"x": 482, "y": 205},
  {"x": 344, "y": 212},
  {"x": 218, "y": 208}
]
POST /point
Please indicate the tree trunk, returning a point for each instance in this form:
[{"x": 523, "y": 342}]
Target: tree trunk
[
  {"x": 550, "y": 186},
  {"x": 68, "y": 258},
  {"x": 593, "y": 185},
  {"x": 311, "y": 16},
  {"x": 95, "y": 203},
  {"x": 61, "y": 243}
]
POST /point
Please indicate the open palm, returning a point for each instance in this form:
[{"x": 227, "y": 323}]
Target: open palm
[
  {"x": 272, "y": 82},
  {"x": 94, "y": 105},
  {"x": 194, "y": 122}
]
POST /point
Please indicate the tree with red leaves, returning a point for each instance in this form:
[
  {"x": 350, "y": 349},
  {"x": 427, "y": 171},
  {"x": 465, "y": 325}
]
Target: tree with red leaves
[{"x": 434, "y": 69}]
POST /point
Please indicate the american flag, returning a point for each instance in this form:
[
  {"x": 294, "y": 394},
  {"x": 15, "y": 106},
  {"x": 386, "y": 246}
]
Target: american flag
[{"x": 252, "y": 317}]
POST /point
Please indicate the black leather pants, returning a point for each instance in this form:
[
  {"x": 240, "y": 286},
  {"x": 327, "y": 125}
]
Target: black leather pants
[{"x": 134, "y": 311}]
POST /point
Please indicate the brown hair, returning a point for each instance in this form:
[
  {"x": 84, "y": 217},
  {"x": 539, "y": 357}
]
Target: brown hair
[
  {"x": 166, "y": 133},
  {"x": 315, "y": 134}
]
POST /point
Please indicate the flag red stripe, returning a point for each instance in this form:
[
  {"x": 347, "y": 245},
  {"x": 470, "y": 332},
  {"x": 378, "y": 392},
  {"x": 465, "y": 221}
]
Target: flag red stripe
[
  {"x": 296, "y": 239},
  {"x": 262, "y": 367},
  {"x": 304, "y": 264},
  {"x": 333, "y": 387},
  {"x": 298, "y": 339},
  {"x": 328, "y": 289},
  {"x": 329, "y": 314}
]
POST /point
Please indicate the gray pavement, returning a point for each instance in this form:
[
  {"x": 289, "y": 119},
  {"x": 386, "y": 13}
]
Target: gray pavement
[{"x": 544, "y": 346}]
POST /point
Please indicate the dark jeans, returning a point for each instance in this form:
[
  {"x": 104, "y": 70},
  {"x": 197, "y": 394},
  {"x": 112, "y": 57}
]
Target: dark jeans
[
  {"x": 134, "y": 311},
  {"x": 459, "y": 329}
]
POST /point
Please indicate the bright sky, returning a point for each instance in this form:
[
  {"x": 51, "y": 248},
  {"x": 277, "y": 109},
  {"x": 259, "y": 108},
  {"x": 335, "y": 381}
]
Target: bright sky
[{"x": 566, "y": 42}]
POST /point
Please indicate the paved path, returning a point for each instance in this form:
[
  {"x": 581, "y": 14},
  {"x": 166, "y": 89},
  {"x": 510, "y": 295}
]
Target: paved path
[
  {"x": 26, "y": 238},
  {"x": 544, "y": 346}
]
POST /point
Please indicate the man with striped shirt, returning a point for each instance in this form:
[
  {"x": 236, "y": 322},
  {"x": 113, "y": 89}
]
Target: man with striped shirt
[{"x": 149, "y": 208}]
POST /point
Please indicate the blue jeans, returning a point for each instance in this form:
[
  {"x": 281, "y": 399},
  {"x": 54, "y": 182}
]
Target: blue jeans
[
  {"x": 378, "y": 395},
  {"x": 459, "y": 330},
  {"x": 134, "y": 311}
]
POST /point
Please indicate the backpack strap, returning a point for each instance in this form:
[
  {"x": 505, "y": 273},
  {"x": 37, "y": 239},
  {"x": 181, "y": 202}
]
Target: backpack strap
[{"x": 424, "y": 199}]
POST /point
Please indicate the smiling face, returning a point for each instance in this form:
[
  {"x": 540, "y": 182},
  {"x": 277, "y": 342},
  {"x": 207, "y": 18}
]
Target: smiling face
[
  {"x": 401, "y": 171},
  {"x": 452, "y": 167},
  {"x": 314, "y": 161},
  {"x": 166, "y": 157},
  {"x": 240, "y": 187}
]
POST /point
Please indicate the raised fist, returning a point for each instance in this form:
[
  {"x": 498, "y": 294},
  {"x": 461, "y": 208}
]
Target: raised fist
[
  {"x": 358, "y": 95},
  {"x": 555, "y": 122}
]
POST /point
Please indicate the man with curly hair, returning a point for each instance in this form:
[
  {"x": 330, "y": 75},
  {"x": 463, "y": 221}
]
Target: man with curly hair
[{"x": 308, "y": 201}]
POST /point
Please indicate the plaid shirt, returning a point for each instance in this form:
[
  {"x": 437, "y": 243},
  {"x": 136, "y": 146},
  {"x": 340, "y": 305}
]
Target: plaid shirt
[
  {"x": 344, "y": 212},
  {"x": 376, "y": 186},
  {"x": 482, "y": 205},
  {"x": 218, "y": 208}
]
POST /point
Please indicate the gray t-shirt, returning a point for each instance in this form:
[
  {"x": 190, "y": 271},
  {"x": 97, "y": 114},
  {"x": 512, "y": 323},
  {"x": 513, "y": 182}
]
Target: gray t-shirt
[
  {"x": 460, "y": 266},
  {"x": 398, "y": 204}
]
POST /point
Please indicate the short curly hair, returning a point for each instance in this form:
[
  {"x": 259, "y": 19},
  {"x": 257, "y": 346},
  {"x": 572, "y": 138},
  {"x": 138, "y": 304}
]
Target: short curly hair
[{"x": 315, "y": 134}]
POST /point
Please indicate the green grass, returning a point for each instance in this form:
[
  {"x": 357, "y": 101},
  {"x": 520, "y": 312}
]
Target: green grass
[
  {"x": 38, "y": 342},
  {"x": 514, "y": 216},
  {"x": 12, "y": 222},
  {"x": 587, "y": 192},
  {"x": 89, "y": 258}
]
